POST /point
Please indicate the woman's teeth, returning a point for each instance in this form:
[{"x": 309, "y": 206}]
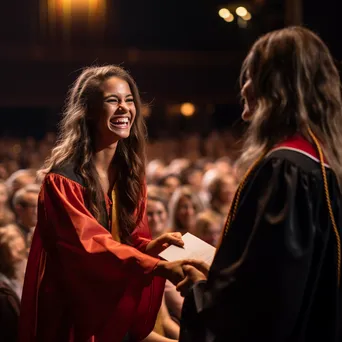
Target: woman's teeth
[{"x": 120, "y": 122}]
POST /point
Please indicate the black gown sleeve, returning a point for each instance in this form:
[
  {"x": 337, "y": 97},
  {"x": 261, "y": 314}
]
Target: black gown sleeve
[{"x": 255, "y": 287}]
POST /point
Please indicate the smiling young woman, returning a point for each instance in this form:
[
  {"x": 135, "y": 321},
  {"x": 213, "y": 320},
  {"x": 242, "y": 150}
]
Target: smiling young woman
[{"x": 92, "y": 269}]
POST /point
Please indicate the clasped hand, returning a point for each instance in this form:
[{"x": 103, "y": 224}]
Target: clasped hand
[
  {"x": 194, "y": 271},
  {"x": 182, "y": 273}
]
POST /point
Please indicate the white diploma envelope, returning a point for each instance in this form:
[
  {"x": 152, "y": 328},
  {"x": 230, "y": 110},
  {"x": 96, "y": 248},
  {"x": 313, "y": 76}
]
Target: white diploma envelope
[{"x": 194, "y": 248}]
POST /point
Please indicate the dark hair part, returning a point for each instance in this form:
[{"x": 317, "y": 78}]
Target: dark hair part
[{"x": 296, "y": 86}]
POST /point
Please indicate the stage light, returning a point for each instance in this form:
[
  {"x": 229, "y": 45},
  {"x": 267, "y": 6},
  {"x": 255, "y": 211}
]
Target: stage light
[
  {"x": 224, "y": 13},
  {"x": 187, "y": 109},
  {"x": 241, "y": 11},
  {"x": 229, "y": 19},
  {"x": 247, "y": 17}
]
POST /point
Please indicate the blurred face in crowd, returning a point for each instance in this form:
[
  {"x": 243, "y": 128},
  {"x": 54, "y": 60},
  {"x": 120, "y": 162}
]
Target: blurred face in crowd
[
  {"x": 12, "y": 166},
  {"x": 21, "y": 181},
  {"x": 27, "y": 210},
  {"x": 3, "y": 194},
  {"x": 3, "y": 172},
  {"x": 18, "y": 248},
  {"x": 195, "y": 179},
  {"x": 171, "y": 184},
  {"x": 186, "y": 213},
  {"x": 157, "y": 217},
  {"x": 13, "y": 252},
  {"x": 228, "y": 189},
  {"x": 223, "y": 167},
  {"x": 211, "y": 234}
]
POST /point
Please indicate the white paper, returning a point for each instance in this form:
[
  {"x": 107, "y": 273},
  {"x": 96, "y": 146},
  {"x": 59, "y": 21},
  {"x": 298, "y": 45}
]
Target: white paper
[{"x": 194, "y": 248}]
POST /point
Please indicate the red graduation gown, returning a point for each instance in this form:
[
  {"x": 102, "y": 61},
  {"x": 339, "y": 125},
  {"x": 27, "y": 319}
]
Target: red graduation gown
[{"x": 80, "y": 284}]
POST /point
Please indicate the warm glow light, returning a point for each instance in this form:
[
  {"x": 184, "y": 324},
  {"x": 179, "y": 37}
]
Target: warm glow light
[
  {"x": 241, "y": 11},
  {"x": 224, "y": 13},
  {"x": 247, "y": 17},
  {"x": 69, "y": 15},
  {"x": 187, "y": 109},
  {"x": 229, "y": 19},
  {"x": 145, "y": 111}
]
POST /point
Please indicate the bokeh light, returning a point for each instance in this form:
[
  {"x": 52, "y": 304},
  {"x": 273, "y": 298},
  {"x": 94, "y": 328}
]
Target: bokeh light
[
  {"x": 241, "y": 11},
  {"x": 187, "y": 109}
]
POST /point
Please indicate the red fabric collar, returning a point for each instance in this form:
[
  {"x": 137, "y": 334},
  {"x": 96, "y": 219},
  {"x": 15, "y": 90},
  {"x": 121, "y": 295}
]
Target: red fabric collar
[{"x": 300, "y": 144}]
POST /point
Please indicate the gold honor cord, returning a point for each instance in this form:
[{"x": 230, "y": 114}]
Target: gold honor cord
[
  {"x": 115, "y": 229},
  {"x": 328, "y": 199},
  {"x": 235, "y": 203}
]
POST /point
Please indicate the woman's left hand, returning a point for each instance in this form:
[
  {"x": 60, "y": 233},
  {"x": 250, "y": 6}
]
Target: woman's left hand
[
  {"x": 192, "y": 276},
  {"x": 163, "y": 241}
]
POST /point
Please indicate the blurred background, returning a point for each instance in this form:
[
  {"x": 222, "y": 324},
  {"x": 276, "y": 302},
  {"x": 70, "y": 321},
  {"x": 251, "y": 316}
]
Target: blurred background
[{"x": 184, "y": 54}]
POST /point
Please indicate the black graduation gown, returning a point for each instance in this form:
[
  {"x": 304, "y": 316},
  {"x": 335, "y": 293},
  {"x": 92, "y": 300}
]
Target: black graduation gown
[{"x": 274, "y": 277}]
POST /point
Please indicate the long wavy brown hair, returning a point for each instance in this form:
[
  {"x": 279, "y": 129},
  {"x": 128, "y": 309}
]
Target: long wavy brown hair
[
  {"x": 295, "y": 85},
  {"x": 76, "y": 145}
]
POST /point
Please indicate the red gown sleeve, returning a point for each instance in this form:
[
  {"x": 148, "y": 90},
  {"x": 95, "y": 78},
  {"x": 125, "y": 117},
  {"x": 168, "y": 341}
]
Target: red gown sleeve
[
  {"x": 81, "y": 239},
  {"x": 101, "y": 278}
]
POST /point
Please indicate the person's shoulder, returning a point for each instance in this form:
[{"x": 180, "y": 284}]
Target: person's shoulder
[
  {"x": 8, "y": 295},
  {"x": 299, "y": 152},
  {"x": 68, "y": 171},
  {"x": 303, "y": 161}
]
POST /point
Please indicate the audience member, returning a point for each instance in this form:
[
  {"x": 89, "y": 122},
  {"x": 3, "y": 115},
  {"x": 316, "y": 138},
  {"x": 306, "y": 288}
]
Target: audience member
[
  {"x": 183, "y": 207},
  {"x": 6, "y": 214},
  {"x": 25, "y": 202},
  {"x": 222, "y": 190},
  {"x": 209, "y": 226},
  {"x": 170, "y": 183}
]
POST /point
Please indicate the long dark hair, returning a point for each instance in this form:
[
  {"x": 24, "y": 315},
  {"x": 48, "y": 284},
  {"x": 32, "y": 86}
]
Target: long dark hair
[
  {"x": 296, "y": 86},
  {"x": 75, "y": 144}
]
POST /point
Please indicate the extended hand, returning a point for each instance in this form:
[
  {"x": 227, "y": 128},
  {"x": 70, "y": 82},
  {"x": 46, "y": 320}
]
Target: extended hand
[
  {"x": 172, "y": 271},
  {"x": 199, "y": 265},
  {"x": 192, "y": 276},
  {"x": 160, "y": 243}
]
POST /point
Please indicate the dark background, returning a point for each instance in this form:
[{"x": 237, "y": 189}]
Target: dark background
[{"x": 177, "y": 51}]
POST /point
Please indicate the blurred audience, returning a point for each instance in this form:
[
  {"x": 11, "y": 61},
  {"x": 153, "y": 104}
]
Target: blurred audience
[
  {"x": 157, "y": 211},
  {"x": 25, "y": 202},
  {"x": 222, "y": 190},
  {"x": 186, "y": 192},
  {"x": 6, "y": 214},
  {"x": 13, "y": 256},
  {"x": 208, "y": 226},
  {"x": 183, "y": 207},
  {"x": 12, "y": 269},
  {"x": 170, "y": 183},
  {"x": 19, "y": 179},
  {"x": 166, "y": 330}
]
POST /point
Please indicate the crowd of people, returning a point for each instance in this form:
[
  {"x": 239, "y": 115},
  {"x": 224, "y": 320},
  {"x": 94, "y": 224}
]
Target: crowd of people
[
  {"x": 87, "y": 233},
  {"x": 182, "y": 196}
]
